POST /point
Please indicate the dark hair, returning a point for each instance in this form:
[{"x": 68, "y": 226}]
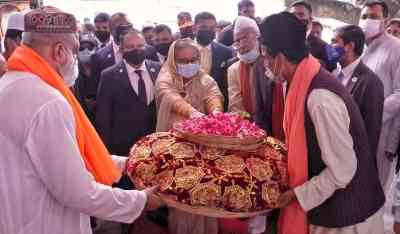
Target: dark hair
[
  {"x": 13, "y": 34},
  {"x": 204, "y": 16},
  {"x": 185, "y": 15},
  {"x": 102, "y": 18},
  {"x": 317, "y": 23},
  {"x": 127, "y": 32},
  {"x": 245, "y": 3},
  {"x": 352, "y": 33},
  {"x": 304, "y": 4},
  {"x": 381, "y": 3},
  {"x": 147, "y": 28},
  {"x": 161, "y": 28},
  {"x": 117, "y": 18},
  {"x": 285, "y": 33},
  {"x": 123, "y": 29}
]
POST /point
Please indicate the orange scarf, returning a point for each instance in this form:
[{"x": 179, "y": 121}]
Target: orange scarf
[
  {"x": 244, "y": 72},
  {"x": 293, "y": 219},
  {"x": 94, "y": 153}
]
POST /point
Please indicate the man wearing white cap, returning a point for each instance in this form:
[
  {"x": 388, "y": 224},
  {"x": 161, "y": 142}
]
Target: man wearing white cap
[
  {"x": 249, "y": 90},
  {"x": 12, "y": 39}
]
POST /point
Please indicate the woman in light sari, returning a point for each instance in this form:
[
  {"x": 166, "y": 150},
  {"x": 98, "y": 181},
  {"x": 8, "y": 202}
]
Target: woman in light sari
[{"x": 184, "y": 91}]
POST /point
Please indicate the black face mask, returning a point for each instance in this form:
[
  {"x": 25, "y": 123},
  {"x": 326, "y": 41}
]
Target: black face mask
[
  {"x": 187, "y": 33},
  {"x": 205, "y": 37},
  {"x": 163, "y": 48},
  {"x": 135, "y": 56},
  {"x": 103, "y": 36}
]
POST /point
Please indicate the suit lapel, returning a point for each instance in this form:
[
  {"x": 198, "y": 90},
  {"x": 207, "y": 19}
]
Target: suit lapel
[
  {"x": 357, "y": 74},
  {"x": 152, "y": 71},
  {"x": 123, "y": 72}
]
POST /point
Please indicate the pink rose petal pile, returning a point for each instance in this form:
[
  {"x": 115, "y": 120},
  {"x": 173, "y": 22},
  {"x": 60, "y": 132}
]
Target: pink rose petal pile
[{"x": 222, "y": 124}]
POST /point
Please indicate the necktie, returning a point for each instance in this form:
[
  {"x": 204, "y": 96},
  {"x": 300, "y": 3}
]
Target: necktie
[
  {"x": 141, "y": 87},
  {"x": 278, "y": 109}
]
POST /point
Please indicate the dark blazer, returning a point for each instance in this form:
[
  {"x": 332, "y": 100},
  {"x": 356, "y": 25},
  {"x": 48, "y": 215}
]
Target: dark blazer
[
  {"x": 220, "y": 57},
  {"x": 263, "y": 98},
  {"x": 122, "y": 118},
  {"x": 367, "y": 91},
  {"x": 102, "y": 59},
  {"x": 105, "y": 58}
]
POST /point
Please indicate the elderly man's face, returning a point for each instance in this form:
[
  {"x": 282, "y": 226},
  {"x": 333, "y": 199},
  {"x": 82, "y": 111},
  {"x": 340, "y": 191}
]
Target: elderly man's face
[
  {"x": 245, "y": 40},
  {"x": 394, "y": 29}
]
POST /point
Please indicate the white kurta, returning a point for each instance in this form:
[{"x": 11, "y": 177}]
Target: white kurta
[
  {"x": 383, "y": 57},
  {"x": 45, "y": 187},
  {"x": 332, "y": 123}
]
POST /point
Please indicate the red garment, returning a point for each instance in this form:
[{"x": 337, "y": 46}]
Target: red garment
[
  {"x": 278, "y": 108},
  {"x": 244, "y": 72},
  {"x": 233, "y": 226}
]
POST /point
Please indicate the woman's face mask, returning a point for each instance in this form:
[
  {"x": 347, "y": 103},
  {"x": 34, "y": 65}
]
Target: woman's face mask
[{"x": 188, "y": 70}]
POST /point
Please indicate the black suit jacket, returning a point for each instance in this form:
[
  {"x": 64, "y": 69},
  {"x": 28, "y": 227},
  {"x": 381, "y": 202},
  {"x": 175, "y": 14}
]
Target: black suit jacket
[
  {"x": 102, "y": 59},
  {"x": 220, "y": 58},
  {"x": 367, "y": 91},
  {"x": 122, "y": 118},
  {"x": 263, "y": 98},
  {"x": 105, "y": 58}
]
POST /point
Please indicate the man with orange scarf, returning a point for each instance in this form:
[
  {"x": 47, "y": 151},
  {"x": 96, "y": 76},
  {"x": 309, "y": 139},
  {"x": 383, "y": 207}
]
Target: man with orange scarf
[
  {"x": 55, "y": 170},
  {"x": 333, "y": 180}
]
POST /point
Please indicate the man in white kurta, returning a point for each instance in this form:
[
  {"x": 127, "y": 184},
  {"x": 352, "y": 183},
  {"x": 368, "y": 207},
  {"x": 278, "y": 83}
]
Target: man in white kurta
[
  {"x": 45, "y": 187},
  {"x": 383, "y": 58}
]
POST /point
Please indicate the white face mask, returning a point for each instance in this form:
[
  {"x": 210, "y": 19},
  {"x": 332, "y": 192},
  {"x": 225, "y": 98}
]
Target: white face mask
[
  {"x": 70, "y": 72},
  {"x": 84, "y": 55},
  {"x": 188, "y": 70},
  {"x": 371, "y": 27},
  {"x": 249, "y": 57}
]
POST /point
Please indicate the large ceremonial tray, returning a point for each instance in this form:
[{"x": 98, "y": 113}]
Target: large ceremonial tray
[
  {"x": 210, "y": 181},
  {"x": 223, "y": 130}
]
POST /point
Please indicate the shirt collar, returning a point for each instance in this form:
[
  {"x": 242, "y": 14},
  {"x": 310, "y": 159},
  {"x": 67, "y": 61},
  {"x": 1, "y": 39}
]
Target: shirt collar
[
  {"x": 208, "y": 46},
  {"x": 349, "y": 69},
  {"x": 131, "y": 69}
]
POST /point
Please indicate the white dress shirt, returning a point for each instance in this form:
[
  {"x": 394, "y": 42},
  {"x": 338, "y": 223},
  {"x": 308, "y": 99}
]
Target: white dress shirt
[
  {"x": 347, "y": 71},
  {"x": 134, "y": 80},
  {"x": 45, "y": 186},
  {"x": 161, "y": 57},
  {"x": 330, "y": 117}
]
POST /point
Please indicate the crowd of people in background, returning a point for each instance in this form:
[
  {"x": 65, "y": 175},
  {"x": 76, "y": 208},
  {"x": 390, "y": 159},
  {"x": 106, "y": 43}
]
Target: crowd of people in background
[{"x": 336, "y": 104}]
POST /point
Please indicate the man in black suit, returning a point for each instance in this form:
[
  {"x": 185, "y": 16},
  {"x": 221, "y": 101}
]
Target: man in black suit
[
  {"x": 360, "y": 81},
  {"x": 108, "y": 55},
  {"x": 318, "y": 47},
  {"x": 126, "y": 110},
  {"x": 214, "y": 55}
]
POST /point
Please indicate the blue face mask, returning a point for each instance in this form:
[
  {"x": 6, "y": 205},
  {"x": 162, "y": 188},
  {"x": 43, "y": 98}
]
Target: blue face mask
[
  {"x": 333, "y": 53},
  {"x": 249, "y": 57},
  {"x": 188, "y": 70}
]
